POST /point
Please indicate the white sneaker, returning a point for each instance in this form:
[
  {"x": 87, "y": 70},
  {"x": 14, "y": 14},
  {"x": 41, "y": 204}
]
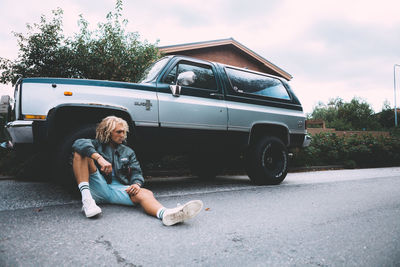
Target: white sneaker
[
  {"x": 90, "y": 208},
  {"x": 182, "y": 213}
]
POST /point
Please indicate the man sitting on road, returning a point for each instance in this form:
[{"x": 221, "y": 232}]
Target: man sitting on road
[{"x": 107, "y": 171}]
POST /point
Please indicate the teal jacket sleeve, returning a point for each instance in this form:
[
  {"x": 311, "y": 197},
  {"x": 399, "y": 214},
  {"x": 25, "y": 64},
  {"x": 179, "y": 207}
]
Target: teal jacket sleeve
[
  {"x": 136, "y": 171},
  {"x": 84, "y": 147}
]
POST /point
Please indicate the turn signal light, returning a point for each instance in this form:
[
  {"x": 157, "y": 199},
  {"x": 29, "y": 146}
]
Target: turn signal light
[
  {"x": 67, "y": 93},
  {"x": 35, "y": 117}
]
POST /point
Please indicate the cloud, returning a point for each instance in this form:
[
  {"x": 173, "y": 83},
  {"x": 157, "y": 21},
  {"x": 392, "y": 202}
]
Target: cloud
[
  {"x": 361, "y": 40},
  {"x": 332, "y": 48}
]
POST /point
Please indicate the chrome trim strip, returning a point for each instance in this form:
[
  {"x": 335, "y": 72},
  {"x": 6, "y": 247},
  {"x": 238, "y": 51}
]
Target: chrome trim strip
[
  {"x": 146, "y": 124},
  {"x": 238, "y": 128},
  {"x": 194, "y": 126},
  {"x": 19, "y": 124}
]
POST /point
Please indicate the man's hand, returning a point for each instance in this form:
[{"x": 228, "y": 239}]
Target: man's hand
[
  {"x": 105, "y": 166},
  {"x": 133, "y": 190}
]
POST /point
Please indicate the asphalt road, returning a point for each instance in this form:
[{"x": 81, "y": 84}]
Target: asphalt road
[{"x": 326, "y": 218}]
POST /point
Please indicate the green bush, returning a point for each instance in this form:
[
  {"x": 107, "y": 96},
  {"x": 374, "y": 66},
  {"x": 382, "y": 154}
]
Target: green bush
[
  {"x": 350, "y": 150},
  {"x": 354, "y": 115},
  {"x": 110, "y": 52}
]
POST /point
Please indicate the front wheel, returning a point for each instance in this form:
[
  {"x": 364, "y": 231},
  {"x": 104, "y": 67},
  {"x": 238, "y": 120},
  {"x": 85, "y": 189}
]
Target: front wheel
[
  {"x": 267, "y": 161},
  {"x": 64, "y": 153}
]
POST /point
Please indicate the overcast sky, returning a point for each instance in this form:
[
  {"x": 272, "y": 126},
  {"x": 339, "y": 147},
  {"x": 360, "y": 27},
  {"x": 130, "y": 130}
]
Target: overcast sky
[{"x": 332, "y": 48}]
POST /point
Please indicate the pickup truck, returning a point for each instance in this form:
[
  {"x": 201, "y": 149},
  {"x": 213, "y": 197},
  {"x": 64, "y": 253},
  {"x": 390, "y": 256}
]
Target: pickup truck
[{"x": 208, "y": 110}]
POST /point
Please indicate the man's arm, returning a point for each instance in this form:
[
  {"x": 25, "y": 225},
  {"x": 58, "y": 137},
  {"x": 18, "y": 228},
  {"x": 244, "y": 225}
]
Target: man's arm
[
  {"x": 136, "y": 178},
  {"x": 136, "y": 171},
  {"x": 86, "y": 147},
  {"x": 105, "y": 166},
  {"x": 133, "y": 189}
]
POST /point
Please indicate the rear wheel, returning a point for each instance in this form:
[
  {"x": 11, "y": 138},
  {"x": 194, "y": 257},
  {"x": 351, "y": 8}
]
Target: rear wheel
[
  {"x": 267, "y": 161},
  {"x": 64, "y": 155}
]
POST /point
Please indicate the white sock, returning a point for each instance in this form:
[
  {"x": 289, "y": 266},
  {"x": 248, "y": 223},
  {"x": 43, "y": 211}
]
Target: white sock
[
  {"x": 85, "y": 191},
  {"x": 160, "y": 213}
]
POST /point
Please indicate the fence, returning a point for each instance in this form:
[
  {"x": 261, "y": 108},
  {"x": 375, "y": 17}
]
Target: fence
[{"x": 322, "y": 129}]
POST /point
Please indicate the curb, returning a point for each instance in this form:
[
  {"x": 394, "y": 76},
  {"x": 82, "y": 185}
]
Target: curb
[
  {"x": 6, "y": 177},
  {"x": 186, "y": 172},
  {"x": 317, "y": 168}
]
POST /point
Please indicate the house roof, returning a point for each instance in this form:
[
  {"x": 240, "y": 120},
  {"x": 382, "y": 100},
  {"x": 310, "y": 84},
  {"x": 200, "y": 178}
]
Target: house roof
[{"x": 222, "y": 42}]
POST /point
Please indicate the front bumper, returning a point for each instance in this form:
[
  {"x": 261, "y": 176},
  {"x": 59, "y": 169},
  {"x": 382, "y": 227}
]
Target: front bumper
[
  {"x": 307, "y": 140},
  {"x": 21, "y": 132}
]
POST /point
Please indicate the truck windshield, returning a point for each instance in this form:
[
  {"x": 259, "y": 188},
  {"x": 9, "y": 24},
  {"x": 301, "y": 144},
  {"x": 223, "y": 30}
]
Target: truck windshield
[{"x": 152, "y": 71}]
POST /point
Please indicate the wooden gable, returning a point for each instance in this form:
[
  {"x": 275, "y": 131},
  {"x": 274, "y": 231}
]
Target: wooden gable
[{"x": 226, "y": 51}]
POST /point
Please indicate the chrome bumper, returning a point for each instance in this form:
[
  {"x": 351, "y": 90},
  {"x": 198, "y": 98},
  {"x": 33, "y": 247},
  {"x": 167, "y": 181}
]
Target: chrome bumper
[
  {"x": 307, "y": 140},
  {"x": 20, "y": 132}
]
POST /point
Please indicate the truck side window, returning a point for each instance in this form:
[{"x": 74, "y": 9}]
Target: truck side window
[
  {"x": 203, "y": 77},
  {"x": 253, "y": 83},
  {"x": 171, "y": 77}
]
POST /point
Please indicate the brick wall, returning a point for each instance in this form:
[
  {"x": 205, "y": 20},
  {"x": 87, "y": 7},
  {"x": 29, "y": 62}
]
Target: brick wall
[
  {"x": 227, "y": 54},
  {"x": 341, "y": 133}
]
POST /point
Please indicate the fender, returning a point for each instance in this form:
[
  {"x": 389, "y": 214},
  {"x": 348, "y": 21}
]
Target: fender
[
  {"x": 277, "y": 129},
  {"x": 78, "y": 113}
]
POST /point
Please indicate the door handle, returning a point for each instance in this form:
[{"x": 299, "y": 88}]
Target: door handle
[{"x": 218, "y": 96}]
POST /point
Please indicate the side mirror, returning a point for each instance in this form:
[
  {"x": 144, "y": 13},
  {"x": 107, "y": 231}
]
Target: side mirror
[
  {"x": 185, "y": 78},
  {"x": 175, "y": 89}
]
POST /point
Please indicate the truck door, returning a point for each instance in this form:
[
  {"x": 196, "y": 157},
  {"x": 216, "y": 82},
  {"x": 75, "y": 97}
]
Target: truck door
[{"x": 198, "y": 103}]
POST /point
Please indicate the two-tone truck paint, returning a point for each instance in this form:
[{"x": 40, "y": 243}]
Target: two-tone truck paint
[{"x": 182, "y": 105}]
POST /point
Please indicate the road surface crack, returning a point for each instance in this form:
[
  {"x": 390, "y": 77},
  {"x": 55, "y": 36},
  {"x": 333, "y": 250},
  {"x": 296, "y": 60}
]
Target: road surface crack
[{"x": 109, "y": 247}]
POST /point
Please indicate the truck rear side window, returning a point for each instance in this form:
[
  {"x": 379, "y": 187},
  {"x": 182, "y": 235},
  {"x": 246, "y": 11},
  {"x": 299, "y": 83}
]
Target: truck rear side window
[{"x": 253, "y": 83}]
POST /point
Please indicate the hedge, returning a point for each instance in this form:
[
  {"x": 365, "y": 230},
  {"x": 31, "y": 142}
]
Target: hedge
[{"x": 356, "y": 150}]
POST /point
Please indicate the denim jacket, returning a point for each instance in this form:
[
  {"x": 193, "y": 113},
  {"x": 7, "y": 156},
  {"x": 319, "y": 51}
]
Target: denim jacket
[{"x": 126, "y": 166}]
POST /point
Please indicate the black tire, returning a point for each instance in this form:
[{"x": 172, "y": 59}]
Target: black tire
[
  {"x": 205, "y": 166},
  {"x": 63, "y": 170},
  {"x": 267, "y": 161}
]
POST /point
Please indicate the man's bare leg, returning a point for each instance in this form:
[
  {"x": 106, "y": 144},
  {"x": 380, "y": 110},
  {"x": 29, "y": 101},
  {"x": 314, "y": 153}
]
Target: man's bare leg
[
  {"x": 83, "y": 167},
  {"x": 146, "y": 199}
]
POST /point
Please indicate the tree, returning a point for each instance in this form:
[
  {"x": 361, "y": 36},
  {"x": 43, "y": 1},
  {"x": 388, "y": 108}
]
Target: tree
[
  {"x": 386, "y": 116},
  {"x": 43, "y": 52},
  {"x": 359, "y": 115},
  {"x": 355, "y": 115},
  {"x": 329, "y": 113},
  {"x": 108, "y": 53}
]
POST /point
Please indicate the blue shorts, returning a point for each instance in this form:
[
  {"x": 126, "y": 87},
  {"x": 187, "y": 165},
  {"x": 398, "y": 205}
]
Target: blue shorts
[{"x": 113, "y": 193}]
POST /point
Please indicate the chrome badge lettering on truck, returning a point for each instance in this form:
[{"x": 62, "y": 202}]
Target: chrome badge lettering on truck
[{"x": 146, "y": 104}]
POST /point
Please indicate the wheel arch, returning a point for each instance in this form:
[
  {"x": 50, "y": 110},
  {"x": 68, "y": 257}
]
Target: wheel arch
[
  {"x": 259, "y": 130},
  {"x": 63, "y": 119}
]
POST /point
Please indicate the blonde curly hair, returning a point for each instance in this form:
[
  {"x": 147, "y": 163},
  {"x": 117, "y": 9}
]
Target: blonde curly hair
[{"x": 107, "y": 125}]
